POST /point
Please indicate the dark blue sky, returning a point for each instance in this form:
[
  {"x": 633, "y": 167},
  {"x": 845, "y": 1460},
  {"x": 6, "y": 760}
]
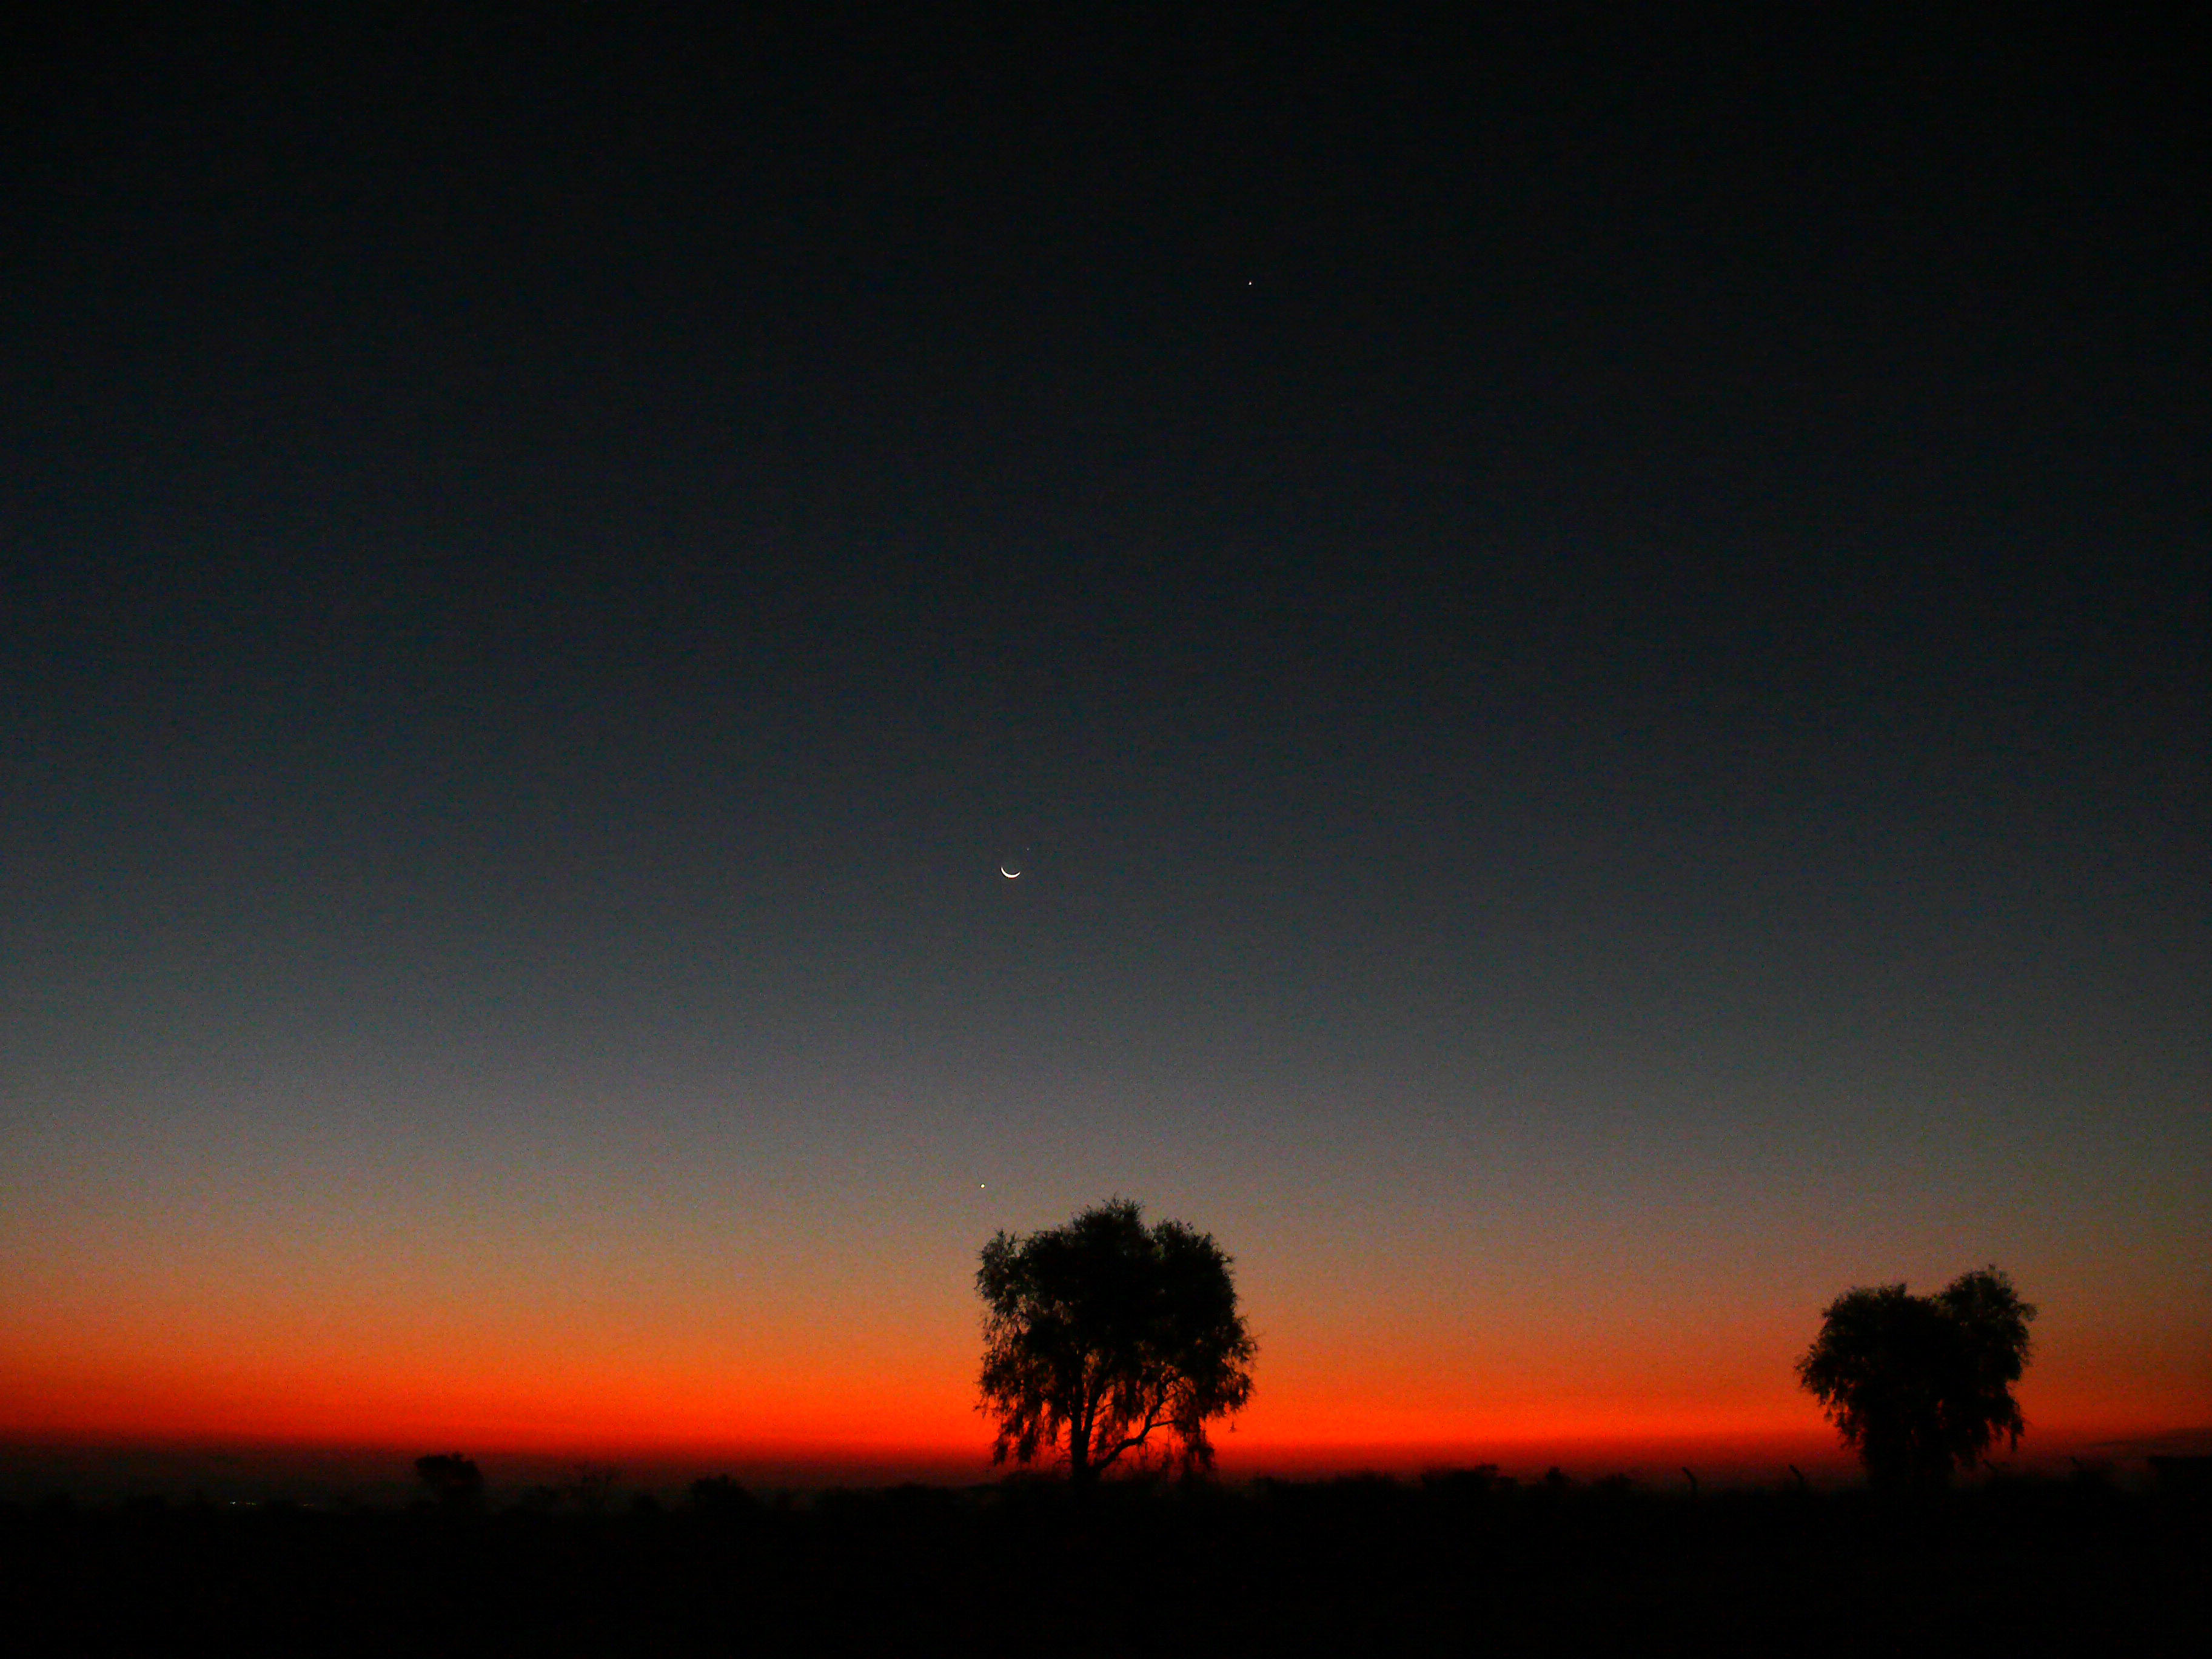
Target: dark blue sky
[{"x": 1623, "y": 601}]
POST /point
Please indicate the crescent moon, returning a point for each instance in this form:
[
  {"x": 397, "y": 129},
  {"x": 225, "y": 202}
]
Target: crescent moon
[{"x": 1011, "y": 875}]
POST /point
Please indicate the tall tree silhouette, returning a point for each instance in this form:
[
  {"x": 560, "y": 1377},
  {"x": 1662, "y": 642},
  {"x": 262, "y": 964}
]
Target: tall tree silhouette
[
  {"x": 1919, "y": 1385},
  {"x": 1105, "y": 1332}
]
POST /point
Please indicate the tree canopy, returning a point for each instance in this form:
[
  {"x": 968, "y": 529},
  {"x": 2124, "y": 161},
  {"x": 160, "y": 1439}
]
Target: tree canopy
[
  {"x": 1919, "y": 1385},
  {"x": 1104, "y": 1332}
]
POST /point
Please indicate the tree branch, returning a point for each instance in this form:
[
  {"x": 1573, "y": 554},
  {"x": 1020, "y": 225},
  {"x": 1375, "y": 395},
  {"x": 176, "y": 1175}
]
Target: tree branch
[{"x": 1152, "y": 1420}]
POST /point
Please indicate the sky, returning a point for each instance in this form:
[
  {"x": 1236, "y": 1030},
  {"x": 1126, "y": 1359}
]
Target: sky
[{"x": 1589, "y": 635}]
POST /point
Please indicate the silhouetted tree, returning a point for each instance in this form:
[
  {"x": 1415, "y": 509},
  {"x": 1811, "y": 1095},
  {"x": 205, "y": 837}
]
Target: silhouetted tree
[
  {"x": 1105, "y": 1331},
  {"x": 453, "y": 1480},
  {"x": 1919, "y": 1385}
]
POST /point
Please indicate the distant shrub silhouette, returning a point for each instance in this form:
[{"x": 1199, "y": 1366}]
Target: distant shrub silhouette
[
  {"x": 719, "y": 1495},
  {"x": 592, "y": 1491},
  {"x": 453, "y": 1480},
  {"x": 1483, "y": 1481},
  {"x": 589, "y": 1490},
  {"x": 1104, "y": 1332},
  {"x": 1921, "y": 1385}
]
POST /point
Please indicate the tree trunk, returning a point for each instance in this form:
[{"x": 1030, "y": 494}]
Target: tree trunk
[{"x": 1080, "y": 1472}]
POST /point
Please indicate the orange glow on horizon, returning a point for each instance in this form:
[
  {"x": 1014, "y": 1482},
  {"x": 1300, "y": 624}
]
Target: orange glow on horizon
[
  {"x": 780, "y": 1333},
  {"x": 921, "y": 1411}
]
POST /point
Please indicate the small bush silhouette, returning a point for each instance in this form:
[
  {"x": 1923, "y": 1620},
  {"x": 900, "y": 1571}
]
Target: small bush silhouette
[{"x": 454, "y": 1482}]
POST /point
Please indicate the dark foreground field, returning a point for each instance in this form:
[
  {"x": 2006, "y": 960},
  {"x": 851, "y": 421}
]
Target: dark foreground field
[{"x": 1452, "y": 1564}]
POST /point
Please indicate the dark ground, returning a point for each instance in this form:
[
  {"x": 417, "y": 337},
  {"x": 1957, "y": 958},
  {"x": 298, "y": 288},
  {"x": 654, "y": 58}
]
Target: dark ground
[{"x": 1454, "y": 1563}]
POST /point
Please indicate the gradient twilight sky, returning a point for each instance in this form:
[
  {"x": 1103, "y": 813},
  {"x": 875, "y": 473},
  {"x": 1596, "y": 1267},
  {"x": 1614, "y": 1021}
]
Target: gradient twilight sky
[{"x": 1593, "y": 640}]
